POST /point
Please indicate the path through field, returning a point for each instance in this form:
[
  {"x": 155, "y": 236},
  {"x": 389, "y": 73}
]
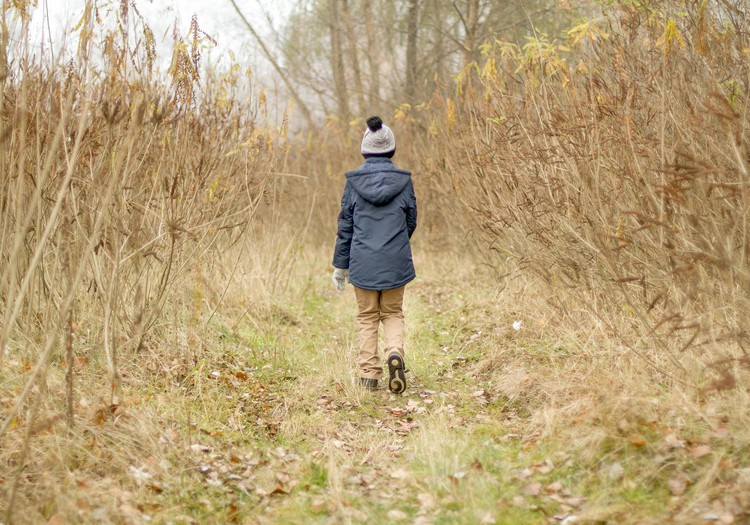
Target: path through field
[
  {"x": 498, "y": 424},
  {"x": 295, "y": 440}
]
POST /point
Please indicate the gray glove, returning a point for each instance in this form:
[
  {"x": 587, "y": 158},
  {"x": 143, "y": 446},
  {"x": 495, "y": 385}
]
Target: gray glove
[{"x": 339, "y": 278}]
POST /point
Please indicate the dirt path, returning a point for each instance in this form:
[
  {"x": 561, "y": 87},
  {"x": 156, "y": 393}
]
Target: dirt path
[
  {"x": 294, "y": 440},
  {"x": 497, "y": 425}
]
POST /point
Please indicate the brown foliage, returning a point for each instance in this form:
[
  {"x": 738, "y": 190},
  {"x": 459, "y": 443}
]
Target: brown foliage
[
  {"x": 616, "y": 170},
  {"x": 114, "y": 189}
]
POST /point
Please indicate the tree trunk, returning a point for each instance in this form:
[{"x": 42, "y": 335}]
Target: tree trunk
[
  {"x": 439, "y": 48},
  {"x": 353, "y": 50},
  {"x": 412, "y": 33},
  {"x": 337, "y": 60},
  {"x": 373, "y": 58},
  {"x": 4, "y": 40},
  {"x": 472, "y": 26}
]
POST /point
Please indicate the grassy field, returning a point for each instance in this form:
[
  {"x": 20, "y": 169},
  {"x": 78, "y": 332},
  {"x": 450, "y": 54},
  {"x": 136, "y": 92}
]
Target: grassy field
[{"x": 256, "y": 419}]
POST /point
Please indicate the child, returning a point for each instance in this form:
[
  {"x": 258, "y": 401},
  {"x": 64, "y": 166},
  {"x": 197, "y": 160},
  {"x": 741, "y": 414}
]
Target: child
[{"x": 378, "y": 217}]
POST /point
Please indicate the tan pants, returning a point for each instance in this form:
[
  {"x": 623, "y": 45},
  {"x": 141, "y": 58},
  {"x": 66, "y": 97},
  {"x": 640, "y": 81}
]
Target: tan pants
[{"x": 374, "y": 307}]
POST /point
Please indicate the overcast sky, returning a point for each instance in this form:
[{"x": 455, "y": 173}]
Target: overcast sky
[{"x": 215, "y": 17}]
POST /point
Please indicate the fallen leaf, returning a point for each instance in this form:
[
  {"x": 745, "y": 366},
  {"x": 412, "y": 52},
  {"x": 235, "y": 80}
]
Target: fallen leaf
[
  {"x": 412, "y": 405},
  {"x": 457, "y": 477},
  {"x": 278, "y": 491},
  {"x": 720, "y": 433},
  {"x": 476, "y": 465},
  {"x": 678, "y": 485},
  {"x": 488, "y": 519},
  {"x": 575, "y": 501},
  {"x": 233, "y": 513},
  {"x": 399, "y": 474},
  {"x": 699, "y": 451},
  {"x": 214, "y": 481},
  {"x": 282, "y": 477},
  {"x": 637, "y": 440},
  {"x": 45, "y": 425},
  {"x": 140, "y": 475},
  {"x": 395, "y": 514},
  {"x": 532, "y": 489},
  {"x": 319, "y": 505},
  {"x": 615, "y": 471},
  {"x": 554, "y": 487},
  {"x": 546, "y": 467},
  {"x": 673, "y": 442},
  {"x": 426, "y": 501},
  {"x": 83, "y": 505}
]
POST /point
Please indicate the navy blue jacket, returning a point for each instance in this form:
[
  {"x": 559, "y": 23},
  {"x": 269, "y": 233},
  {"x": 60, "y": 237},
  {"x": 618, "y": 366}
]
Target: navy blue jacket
[{"x": 378, "y": 216}]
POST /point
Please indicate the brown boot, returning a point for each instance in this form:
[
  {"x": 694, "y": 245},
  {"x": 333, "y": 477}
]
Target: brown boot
[
  {"x": 369, "y": 384},
  {"x": 396, "y": 377}
]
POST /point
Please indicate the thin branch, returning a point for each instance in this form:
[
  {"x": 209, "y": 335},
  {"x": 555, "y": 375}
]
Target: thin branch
[{"x": 267, "y": 52}]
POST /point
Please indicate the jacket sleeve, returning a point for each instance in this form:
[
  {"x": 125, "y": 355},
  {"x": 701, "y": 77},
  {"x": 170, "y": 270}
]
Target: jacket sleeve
[
  {"x": 345, "y": 229},
  {"x": 411, "y": 210}
]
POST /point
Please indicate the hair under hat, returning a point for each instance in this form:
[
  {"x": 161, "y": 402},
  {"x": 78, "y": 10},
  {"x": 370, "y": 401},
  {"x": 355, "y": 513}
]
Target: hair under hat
[{"x": 378, "y": 138}]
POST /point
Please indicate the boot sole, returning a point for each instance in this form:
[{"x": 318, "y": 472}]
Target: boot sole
[
  {"x": 396, "y": 379},
  {"x": 371, "y": 385}
]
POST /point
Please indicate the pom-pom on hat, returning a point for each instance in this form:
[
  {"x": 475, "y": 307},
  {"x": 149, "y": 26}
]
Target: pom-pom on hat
[{"x": 378, "y": 138}]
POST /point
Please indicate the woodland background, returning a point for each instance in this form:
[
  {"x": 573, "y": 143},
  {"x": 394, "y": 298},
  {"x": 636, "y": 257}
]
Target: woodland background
[{"x": 171, "y": 348}]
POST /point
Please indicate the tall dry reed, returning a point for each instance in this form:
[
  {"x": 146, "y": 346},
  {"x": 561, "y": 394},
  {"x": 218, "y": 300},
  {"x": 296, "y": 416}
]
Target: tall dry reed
[
  {"x": 615, "y": 165},
  {"x": 118, "y": 182}
]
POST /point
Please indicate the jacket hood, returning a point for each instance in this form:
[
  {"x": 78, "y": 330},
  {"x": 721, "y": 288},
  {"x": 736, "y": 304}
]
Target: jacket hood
[{"x": 378, "y": 180}]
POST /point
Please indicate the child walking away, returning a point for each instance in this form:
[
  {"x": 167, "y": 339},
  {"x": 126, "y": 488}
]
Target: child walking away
[{"x": 378, "y": 217}]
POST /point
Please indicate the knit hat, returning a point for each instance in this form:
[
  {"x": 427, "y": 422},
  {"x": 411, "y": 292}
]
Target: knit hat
[{"x": 378, "y": 138}]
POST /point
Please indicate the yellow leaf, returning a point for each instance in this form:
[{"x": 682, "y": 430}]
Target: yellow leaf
[
  {"x": 670, "y": 35},
  {"x": 450, "y": 112}
]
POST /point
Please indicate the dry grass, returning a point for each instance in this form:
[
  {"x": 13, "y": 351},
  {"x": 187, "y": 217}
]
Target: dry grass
[
  {"x": 171, "y": 348},
  {"x": 614, "y": 166},
  {"x": 121, "y": 187}
]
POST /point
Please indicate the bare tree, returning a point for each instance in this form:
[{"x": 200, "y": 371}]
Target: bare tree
[
  {"x": 359, "y": 89},
  {"x": 373, "y": 58},
  {"x": 337, "y": 59},
  {"x": 471, "y": 22},
  {"x": 270, "y": 57},
  {"x": 371, "y": 55},
  {"x": 412, "y": 35}
]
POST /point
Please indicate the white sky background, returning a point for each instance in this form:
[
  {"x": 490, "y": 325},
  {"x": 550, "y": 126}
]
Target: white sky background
[{"x": 216, "y": 17}]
